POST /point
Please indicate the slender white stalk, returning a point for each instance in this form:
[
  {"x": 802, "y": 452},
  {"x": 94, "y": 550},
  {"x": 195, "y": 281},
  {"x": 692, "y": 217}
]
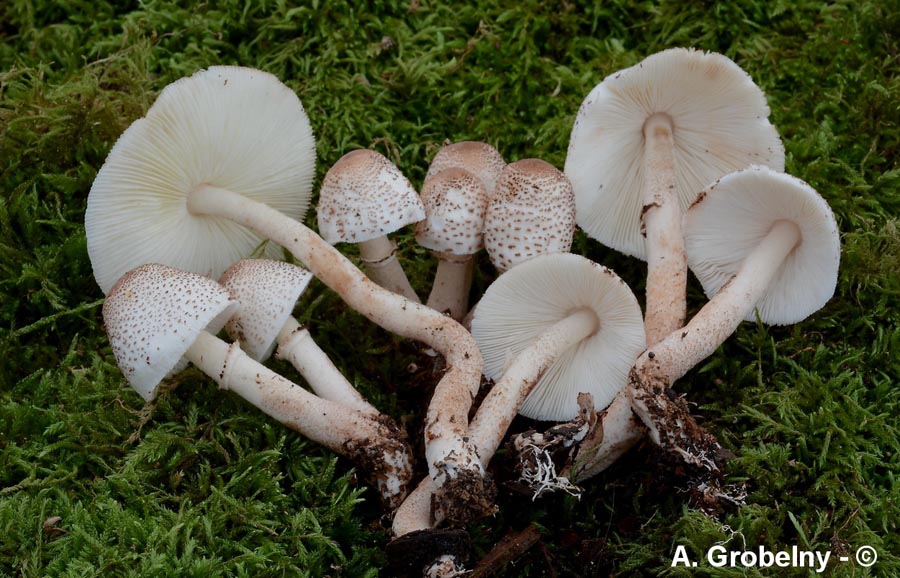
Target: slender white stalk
[
  {"x": 661, "y": 217},
  {"x": 681, "y": 350},
  {"x": 380, "y": 258},
  {"x": 347, "y": 432},
  {"x": 664, "y": 363},
  {"x": 467, "y": 319},
  {"x": 499, "y": 408},
  {"x": 296, "y": 345},
  {"x": 448, "y": 452},
  {"x": 452, "y": 280}
]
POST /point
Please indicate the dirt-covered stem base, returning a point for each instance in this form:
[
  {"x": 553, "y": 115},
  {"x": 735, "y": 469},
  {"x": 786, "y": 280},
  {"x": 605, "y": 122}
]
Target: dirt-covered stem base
[{"x": 340, "y": 429}]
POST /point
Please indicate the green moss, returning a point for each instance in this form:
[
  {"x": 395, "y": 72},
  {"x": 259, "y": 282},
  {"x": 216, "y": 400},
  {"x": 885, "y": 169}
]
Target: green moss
[{"x": 199, "y": 484}]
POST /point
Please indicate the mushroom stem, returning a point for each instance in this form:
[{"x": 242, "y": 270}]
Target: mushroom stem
[
  {"x": 383, "y": 267},
  {"x": 468, "y": 317},
  {"x": 498, "y": 409},
  {"x": 296, "y": 345},
  {"x": 661, "y": 217},
  {"x": 452, "y": 280},
  {"x": 448, "y": 452},
  {"x": 502, "y": 403},
  {"x": 415, "y": 513},
  {"x": 661, "y": 365},
  {"x": 616, "y": 432},
  {"x": 369, "y": 443}
]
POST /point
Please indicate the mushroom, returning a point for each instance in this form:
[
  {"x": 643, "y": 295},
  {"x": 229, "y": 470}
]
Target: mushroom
[
  {"x": 267, "y": 292},
  {"x": 645, "y": 141},
  {"x": 592, "y": 313},
  {"x": 455, "y": 203},
  {"x": 762, "y": 243},
  {"x": 481, "y": 159},
  {"x": 364, "y": 196},
  {"x": 200, "y": 161},
  {"x": 226, "y": 128},
  {"x": 158, "y": 318},
  {"x": 552, "y": 326},
  {"x": 532, "y": 212}
]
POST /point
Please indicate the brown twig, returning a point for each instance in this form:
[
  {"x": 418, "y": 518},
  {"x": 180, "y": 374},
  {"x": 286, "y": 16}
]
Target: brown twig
[{"x": 510, "y": 547}]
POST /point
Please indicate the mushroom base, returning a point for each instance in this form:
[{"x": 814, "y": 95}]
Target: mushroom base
[
  {"x": 539, "y": 453},
  {"x": 467, "y": 497},
  {"x": 387, "y": 461},
  {"x": 411, "y": 555},
  {"x": 615, "y": 432},
  {"x": 671, "y": 425}
]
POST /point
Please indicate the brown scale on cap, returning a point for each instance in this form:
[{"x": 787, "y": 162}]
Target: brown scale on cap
[
  {"x": 532, "y": 213},
  {"x": 480, "y": 159},
  {"x": 268, "y": 291},
  {"x": 455, "y": 204},
  {"x": 365, "y": 196},
  {"x": 153, "y": 315}
]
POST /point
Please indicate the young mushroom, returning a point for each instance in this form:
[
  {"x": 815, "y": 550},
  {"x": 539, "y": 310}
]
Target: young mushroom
[
  {"x": 532, "y": 212},
  {"x": 363, "y": 198},
  {"x": 455, "y": 203},
  {"x": 187, "y": 186},
  {"x": 482, "y": 160},
  {"x": 762, "y": 243},
  {"x": 267, "y": 292},
  {"x": 646, "y": 140},
  {"x": 550, "y": 328},
  {"x": 158, "y": 318}
]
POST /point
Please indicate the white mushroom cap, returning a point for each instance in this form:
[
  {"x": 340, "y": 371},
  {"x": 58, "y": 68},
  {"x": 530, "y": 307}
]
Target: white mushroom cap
[
  {"x": 538, "y": 293},
  {"x": 531, "y": 213},
  {"x": 730, "y": 218},
  {"x": 153, "y": 315},
  {"x": 365, "y": 196},
  {"x": 455, "y": 203},
  {"x": 267, "y": 291},
  {"x": 199, "y": 132},
  {"x": 480, "y": 159},
  {"x": 720, "y": 124}
]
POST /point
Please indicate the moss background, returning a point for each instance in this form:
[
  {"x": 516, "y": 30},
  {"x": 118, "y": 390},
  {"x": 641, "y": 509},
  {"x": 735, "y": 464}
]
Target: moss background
[{"x": 94, "y": 483}]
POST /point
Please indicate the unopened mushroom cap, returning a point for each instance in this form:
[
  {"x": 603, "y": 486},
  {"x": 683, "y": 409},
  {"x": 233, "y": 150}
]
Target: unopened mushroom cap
[
  {"x": 720, "y": 124},
  {"x": 480, "y": 159},
  {"x": 229, "y": 127},
  {"x": 455, "y": 204},
  {"x": 267, "y": 291},
  {"x": 731, "y": 217},
  {"x": 534, "y": 295},
  {"x": 531, "y": 213},
  {"x": 153, "y": 315},
  {"x": 365, "y": 196}
]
